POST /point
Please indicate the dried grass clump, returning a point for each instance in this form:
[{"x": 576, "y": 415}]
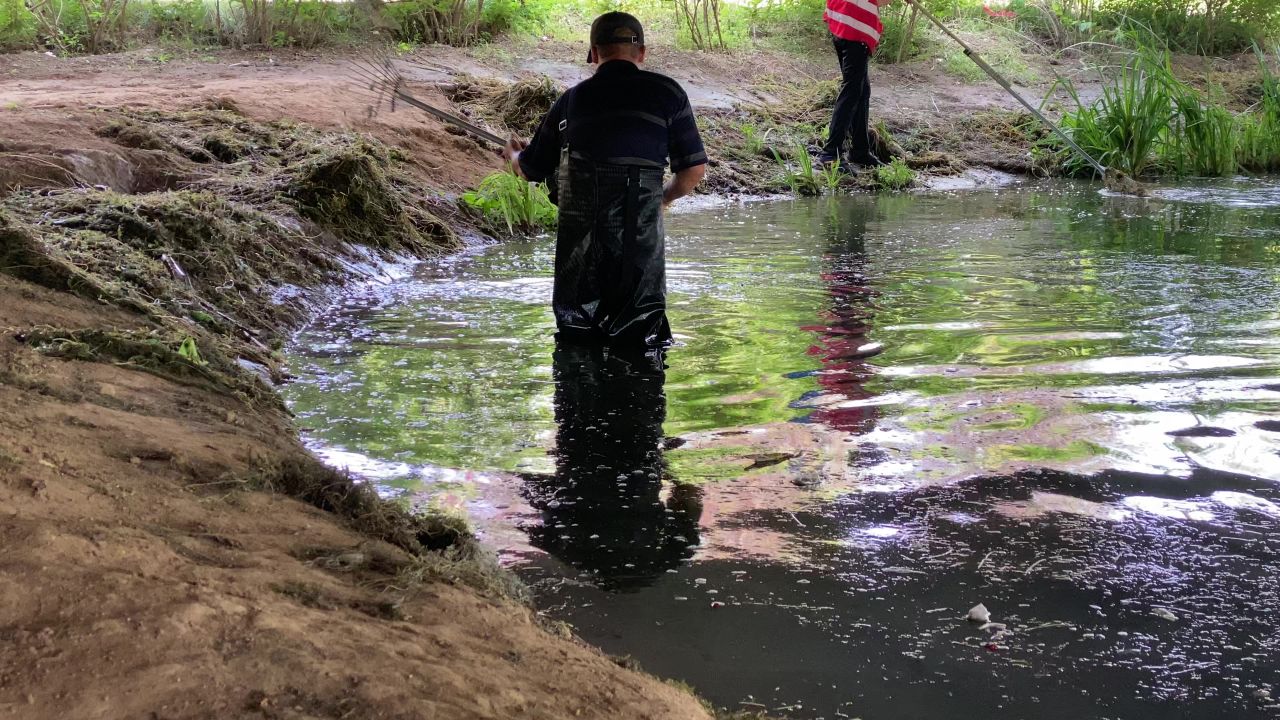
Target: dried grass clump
[
  {"x": 175, "y": 357},
  {"x": 517, "y": 107},
  {"x": 277, "y": 207},
  {"x": 442, "y": 546}
]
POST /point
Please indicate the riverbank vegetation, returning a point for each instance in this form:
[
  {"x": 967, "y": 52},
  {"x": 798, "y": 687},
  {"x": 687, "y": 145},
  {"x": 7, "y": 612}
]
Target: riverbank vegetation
[
  {"x": 1149, "y": 121},
  {"x": 1215, "y": 27}
]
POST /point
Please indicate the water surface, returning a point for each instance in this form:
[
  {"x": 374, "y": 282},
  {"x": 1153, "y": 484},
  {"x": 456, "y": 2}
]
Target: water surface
[{"x": 882, "y": 411}]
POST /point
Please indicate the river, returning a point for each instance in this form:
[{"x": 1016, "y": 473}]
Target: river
[{"x": 882, "y": 411}]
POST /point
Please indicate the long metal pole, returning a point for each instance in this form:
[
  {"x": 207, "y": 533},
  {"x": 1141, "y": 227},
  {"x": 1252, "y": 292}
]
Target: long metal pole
[{"x": 1102, "y": 170}]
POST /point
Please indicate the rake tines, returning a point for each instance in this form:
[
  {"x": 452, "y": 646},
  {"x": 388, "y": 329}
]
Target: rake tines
[
  {"x": 375, "y": 73},
  {"x": 376, "y": 76}
]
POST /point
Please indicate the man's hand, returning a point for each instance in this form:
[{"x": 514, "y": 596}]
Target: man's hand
[
  {"x": 511, "y": 153},
  {"x": 682, "y": 183}
]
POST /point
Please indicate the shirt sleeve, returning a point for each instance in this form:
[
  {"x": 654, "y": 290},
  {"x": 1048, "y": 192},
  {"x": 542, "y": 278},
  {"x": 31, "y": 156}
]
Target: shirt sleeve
[
  {"x": 684, "y": 143},
  {"x": 540, "y": 160}
]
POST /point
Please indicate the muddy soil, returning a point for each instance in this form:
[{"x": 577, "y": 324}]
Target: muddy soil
[{"x": 147, "y": 572}]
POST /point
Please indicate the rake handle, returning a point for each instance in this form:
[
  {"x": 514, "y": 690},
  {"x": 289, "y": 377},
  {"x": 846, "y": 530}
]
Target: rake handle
[
  {"x": 1002, "y": 82},
  {"x": 475, "y": 130}
]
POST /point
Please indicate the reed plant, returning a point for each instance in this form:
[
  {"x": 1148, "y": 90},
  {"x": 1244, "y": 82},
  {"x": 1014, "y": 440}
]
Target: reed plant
[
  {"x": 1124, "y": 126},
  {"x": 1204, "y": 139},
  {"x": 1259, "y": 145},
  {"x": 1148, "y": 121},
  {"x": 804, "y": 178}
]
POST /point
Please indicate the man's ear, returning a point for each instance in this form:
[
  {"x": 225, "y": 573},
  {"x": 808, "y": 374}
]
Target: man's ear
[{"x": 640, "y": 57}]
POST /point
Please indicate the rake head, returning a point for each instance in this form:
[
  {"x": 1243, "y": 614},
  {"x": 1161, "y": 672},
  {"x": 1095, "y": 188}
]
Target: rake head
[{"x": 377, "y": 78}]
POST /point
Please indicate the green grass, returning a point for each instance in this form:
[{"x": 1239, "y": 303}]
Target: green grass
[
  {"x": 895, "y": 175},
  {"x": 804, "y": 177},
  {"x": 752, "y": 138},
  {"x": 507, "y": 201}
]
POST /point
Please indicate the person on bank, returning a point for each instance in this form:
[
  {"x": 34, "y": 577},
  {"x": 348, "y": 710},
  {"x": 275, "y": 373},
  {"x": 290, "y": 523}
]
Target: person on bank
[
  {"x": 604, "y": 144},
  {"x": 855, "y": 29}
]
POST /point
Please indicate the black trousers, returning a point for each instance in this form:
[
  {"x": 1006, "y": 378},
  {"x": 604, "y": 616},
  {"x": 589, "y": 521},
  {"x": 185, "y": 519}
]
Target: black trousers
[{"x": 853, "y": 105}]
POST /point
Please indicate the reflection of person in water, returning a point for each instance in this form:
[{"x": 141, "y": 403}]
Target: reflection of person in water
[
  {"x": 842, "y": 342},
  {"x": 603, "y": 510}
]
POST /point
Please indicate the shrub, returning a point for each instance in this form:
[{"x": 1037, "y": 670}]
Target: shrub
[
  {"x": 1209, "y": 27},
  {"x": 17, "y": 26},
  {"x": 450, "y": 22}
]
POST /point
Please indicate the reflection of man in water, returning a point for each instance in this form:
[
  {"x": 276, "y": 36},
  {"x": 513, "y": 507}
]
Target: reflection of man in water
[
  {"x": 602, "y": 511},
  {"x": 842, "y": 344}
]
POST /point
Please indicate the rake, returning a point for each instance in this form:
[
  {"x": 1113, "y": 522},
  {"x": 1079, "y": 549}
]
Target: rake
[{"x": 379, "y": 76}]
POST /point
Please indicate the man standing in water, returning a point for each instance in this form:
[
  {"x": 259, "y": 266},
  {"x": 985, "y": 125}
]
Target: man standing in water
[
  {"x": 855, "y": 29},
  {"x": 606, "y": 142}
]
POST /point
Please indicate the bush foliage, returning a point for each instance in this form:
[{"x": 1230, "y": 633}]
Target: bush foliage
[{"x": 1200, "y": 26}]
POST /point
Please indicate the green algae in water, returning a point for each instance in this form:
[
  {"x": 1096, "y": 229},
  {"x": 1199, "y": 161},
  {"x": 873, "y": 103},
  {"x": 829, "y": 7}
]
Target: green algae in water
[
  {"x": 1000, "y": 455},
  {"x": 702, "y": 465}
]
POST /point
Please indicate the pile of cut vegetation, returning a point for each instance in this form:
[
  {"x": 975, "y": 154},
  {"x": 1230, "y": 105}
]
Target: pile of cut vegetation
[
  {"x": 216, "y": 267},
  {"x": 517, "y": 107}
]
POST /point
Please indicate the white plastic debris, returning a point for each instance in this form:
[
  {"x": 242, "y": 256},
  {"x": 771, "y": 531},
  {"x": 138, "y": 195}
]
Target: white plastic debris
[{"x": 979, "y": 614}]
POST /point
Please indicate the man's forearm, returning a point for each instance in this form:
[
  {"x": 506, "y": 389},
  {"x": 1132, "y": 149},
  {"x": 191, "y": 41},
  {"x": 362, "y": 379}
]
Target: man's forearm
[{"x": 682, "y": 183}]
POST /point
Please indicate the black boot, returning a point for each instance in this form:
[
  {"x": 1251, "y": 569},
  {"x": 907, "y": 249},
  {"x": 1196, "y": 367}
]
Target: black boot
[{"x": 866, "y": 160}]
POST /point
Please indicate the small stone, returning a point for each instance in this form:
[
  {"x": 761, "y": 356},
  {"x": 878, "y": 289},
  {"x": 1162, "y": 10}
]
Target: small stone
[
  {"x": 979, "y": 614},
  {"x": 716, "y": 604},
  {"x": 1163, "y": 614}
]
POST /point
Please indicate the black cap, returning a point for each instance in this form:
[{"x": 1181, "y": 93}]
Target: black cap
[{"x": 614, "y": 28}]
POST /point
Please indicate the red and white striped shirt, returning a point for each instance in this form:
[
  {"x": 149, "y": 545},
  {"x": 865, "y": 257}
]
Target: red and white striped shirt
[{"x": 857, "y": 20}]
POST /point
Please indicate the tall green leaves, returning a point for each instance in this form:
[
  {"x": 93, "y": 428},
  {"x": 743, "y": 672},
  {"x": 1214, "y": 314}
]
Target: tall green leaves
[
  {"x": 1148, "y": 121},
  {"x": 511, "y": 202},
  {"x": 1123, "y": 127},
  {"x": 1260, "y": 139},
  {"x": 1204, "y": 142}
]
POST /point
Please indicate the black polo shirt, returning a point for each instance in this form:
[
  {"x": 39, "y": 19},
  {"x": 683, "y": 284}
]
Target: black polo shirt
[{"x": 620, "y": 114}]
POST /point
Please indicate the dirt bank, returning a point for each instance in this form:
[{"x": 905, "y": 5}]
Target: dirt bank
[
  {"x": 144, "y": 576},
  {"x": 169, "y": 549}
]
